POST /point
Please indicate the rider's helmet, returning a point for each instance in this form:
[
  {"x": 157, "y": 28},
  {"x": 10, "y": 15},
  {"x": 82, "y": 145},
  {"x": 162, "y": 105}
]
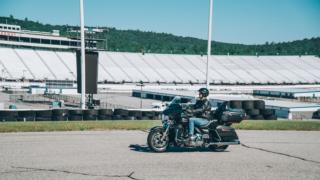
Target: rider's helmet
[{"x": 204, "y": 92}]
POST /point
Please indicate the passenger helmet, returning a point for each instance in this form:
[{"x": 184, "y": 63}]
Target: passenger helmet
[{"x": 204, "y": 92}]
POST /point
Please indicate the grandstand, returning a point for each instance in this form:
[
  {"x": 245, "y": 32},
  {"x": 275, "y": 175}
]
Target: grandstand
[
  {"x": 13, "y": 35},
  {"x": 118, "y": 67}
]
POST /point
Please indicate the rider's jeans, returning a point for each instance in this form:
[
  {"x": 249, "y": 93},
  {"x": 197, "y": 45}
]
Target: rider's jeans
[{"x": 196, "y": 121}]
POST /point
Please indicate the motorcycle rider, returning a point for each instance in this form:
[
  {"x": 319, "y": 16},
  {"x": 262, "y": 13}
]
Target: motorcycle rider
[{"x": 201, "y": 112}]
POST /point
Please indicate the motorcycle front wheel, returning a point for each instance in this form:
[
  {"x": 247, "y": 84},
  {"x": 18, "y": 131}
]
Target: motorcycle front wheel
[{"x": 155, "y": 141}]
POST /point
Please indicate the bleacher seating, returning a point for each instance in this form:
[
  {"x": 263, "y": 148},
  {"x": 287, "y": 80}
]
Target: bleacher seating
[
  {"x": 57, "y": 67},
  {"x": 34, "y": 64}
]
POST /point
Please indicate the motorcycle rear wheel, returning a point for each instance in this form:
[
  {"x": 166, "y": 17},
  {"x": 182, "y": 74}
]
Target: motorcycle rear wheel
[
  {"x": 216, "y": 148},
  {"x": 154, "y": 140}
]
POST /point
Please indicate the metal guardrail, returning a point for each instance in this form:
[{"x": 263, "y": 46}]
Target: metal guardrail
[
  {"x": 29, "y": 98},
  {"x": 75, "y": 100},
  {"x": 70, "y": 100}
]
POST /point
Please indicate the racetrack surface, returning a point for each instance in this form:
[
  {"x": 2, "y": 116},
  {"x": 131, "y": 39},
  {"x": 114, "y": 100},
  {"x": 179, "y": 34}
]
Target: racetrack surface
[{"x": 124, "y": 155}]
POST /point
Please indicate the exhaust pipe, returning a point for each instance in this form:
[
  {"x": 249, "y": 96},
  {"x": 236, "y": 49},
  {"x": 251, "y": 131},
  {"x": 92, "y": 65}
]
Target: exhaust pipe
[{"x": 224, "y": 143}]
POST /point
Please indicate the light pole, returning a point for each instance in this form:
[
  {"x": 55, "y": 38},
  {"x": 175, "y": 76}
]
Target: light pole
[
  {"x": 83, "y": 70},
  {"x": 209, "y": 45},
  {"x": 141, "y": 85}
]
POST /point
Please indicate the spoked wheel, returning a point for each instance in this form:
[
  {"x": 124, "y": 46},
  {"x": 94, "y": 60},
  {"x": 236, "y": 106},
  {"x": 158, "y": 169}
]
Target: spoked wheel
[
  {"x": 155, "y": 141},
  {"x": 217, "y": 148}
]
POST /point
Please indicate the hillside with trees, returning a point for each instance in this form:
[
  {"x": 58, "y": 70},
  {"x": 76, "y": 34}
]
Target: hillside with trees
[{"x": 151, "y": 42}]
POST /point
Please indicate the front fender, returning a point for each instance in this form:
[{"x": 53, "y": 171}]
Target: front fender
[{"x": 156, "y": 127}]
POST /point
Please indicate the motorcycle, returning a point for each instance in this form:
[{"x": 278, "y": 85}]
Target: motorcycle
[{"x": 216, "y": 135}]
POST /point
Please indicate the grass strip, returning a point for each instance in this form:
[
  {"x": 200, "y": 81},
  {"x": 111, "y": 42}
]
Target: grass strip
[
  {"x": 145, "y": 125},
  {"x": 279, "y": 125},
  {"x": 77, "y": 125}
]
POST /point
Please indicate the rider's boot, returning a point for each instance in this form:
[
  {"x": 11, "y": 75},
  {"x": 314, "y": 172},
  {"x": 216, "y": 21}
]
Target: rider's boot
[{"x": 191, "y": 140}]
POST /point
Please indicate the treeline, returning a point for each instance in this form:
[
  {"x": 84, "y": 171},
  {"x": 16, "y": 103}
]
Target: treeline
[{"x": 151, "y": 42}]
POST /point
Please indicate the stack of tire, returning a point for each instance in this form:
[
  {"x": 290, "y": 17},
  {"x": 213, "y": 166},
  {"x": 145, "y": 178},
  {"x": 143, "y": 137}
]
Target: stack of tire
[
  {"x": 148, "y": 115},
  {"x": 120, "y": 114},
  {"x": 124, "y": 114},
  {"x": 26, "y": 115},
  {"x": 255, "y": 109},
  {"x": 43, "y": 115},
  {"x": 135, "y": 114},
  {"x": 60, "y": 114},
  {"x": 90, "y": 114},
  {"x": 269, "y": 114},
  {"x": 157, "y": 115},
  {"x": 75, "y": 115},
  {"x": 316, "y": 115},
  {"x": 8, "y": 116},
  {"x": 105, "y": 114}
]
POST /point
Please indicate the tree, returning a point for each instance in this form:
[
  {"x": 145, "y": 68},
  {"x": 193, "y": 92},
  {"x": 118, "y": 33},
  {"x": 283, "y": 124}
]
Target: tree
[{"x": 136, "y": 40}]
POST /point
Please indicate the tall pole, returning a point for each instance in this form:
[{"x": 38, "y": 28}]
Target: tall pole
[
  {"x": 83, "y": 70},
  {"x": 209, "y": 45},
  {"x": 141, "y": 96}
]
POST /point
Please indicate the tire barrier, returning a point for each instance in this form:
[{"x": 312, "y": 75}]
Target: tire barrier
[
  {"x": 6, "y": 116},
  {"x": 255, "y": 109},
  {"x": 267, "y": 112},
  {"x": 26, "y": 115},
  {"x": 148, "y": 114},
  {"x": 78, "y": 115},
  {"x": 43, "y": 115},
  {"x": 157, "y": 115},
  {"x": 75, "y": 115},
  {"x": 247, "y": 105},
  {"x": 117, "y": 117},
  {"x": 253, "y": 112},
  {"x": 316, "y": 115},
  {"x": 105, "y": 114},
  {"x": 135, "y": 115},
  {"x": 120, "y": 114},
  {"x": 235, "y": 104},
  {"x": 90, "y": 114},
  {"x": 257, "y": 117},
  {"x": 259, "y": 104},
  {"x": 60, "y": 114},
  {"x": 270, "y": 117}
]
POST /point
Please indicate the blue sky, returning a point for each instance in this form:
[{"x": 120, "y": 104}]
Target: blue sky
[{"x": 236, "y": 21}]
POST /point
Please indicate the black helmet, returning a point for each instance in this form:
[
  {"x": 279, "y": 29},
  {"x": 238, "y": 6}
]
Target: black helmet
[{"x": 204, "y": 92}]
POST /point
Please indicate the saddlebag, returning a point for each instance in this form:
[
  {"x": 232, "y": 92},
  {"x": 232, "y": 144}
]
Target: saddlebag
[
  {"x": 227, "y": 134},
  {"x": 233, "y": 116}
]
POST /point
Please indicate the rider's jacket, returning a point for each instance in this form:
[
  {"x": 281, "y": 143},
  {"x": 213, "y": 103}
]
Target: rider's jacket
[{"x": 202, "y": 108}]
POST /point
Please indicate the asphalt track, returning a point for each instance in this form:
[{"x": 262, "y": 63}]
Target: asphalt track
[{"x": 124, "y": 155}]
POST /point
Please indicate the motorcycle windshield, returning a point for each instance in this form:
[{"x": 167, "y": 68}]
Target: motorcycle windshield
[
  {"x": 173, "y": 107},
  {"x": 175, "y": 100}
]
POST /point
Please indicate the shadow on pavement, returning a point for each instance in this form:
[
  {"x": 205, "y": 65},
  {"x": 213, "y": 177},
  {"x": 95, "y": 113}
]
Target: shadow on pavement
[{"x": 146, "y": 149}]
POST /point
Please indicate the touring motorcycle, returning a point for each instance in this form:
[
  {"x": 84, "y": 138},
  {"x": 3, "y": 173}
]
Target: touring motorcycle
[{"x": 216, "y": 135}]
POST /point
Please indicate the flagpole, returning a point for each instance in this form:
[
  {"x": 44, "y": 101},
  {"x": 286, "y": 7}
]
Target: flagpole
[
  {"x": 209, "y": 45},
  {"x": 83, "y": 70}
]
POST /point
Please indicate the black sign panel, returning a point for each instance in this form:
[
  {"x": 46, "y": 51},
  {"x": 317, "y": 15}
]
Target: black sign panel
[{"x": 91, "y": 74}]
